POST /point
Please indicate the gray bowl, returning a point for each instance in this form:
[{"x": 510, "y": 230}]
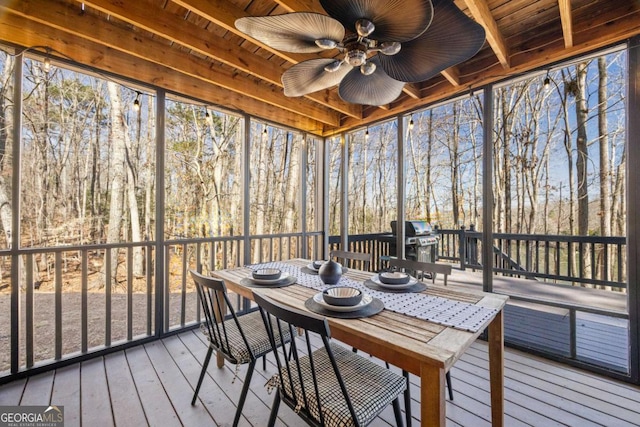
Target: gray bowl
[
  {"x": 395, "y": 278},
  {"x": 318, "y": 264},
  {"x": 342, "y": 296},
  {"x": 266, "y": 274}
]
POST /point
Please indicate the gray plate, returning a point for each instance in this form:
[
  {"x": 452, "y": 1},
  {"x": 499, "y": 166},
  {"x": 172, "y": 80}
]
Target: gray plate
[
  {"x": 416, "y": 287},
  {"x": 375, "y": 307},
  {"x": 287, "y": 281}
]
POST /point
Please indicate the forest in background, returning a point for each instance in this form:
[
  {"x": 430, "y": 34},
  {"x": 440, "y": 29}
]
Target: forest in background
[
  {"x": 558, "y": 152},
  {"x": 89, "y": 169}
]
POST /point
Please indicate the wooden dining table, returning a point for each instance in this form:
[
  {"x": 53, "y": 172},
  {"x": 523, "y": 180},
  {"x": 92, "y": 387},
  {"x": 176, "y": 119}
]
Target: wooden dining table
[{"x": 421, "y": 347}]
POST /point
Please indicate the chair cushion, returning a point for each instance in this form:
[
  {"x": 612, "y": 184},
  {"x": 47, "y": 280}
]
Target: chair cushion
[
  {"x": 255, "y": 333},
  {"x": 370, "y": 387}
]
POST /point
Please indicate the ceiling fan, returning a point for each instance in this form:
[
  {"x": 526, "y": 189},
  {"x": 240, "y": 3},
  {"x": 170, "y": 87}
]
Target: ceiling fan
[{"x": 381, "y": 45}]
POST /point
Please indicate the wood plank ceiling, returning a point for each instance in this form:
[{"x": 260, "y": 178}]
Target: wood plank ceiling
[{"x": 192, "y": 47}]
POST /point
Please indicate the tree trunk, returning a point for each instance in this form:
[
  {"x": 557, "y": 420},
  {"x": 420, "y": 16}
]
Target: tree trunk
[
  {"x": 118, "y": 174},
  {"x": 292, "y": 188},
  {"x": 454, "y": 158},
  {"x": 582, "y": 160},
  {"x": 605, "y": 167},
  {"x": 134, "y": 214},
  {"x": 6, "y": 123},
  {"x": 568, "y": 147}
]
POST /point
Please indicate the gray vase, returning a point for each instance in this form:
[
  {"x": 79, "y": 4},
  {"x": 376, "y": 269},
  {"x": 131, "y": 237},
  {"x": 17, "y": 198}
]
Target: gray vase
[{"x": 330, "y": 272}]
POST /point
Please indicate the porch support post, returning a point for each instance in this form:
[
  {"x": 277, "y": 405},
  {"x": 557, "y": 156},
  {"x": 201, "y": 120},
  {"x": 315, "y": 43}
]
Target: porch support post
[
  {"x": 633, "y": 203},
  {"x": 302, "y": 200},
  {"x": 160, "y": 273},
  {"x": 344, "y": 197},
  {"x": 322, "y": 203},
  {"x": 246, "y": 177},
  {"x": 487, "y": 190},
  {"x": 401, "y": 211},
  {"x": 15, "y": 214}
]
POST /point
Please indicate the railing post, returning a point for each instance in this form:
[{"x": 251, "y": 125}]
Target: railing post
[
  {"x": 573, "y": 334},
  {"x": 462, "y": 247},
  {"x": 472, "y": 253}
]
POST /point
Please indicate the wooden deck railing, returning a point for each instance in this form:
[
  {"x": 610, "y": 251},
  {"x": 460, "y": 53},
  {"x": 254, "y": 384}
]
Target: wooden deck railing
[
  {"x": 77, "y": 303},
  {"x": 91, "y": 309},
  {"x": 592, "y": 260}
]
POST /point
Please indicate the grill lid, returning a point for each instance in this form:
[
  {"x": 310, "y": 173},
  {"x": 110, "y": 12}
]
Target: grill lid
[{"x": 412, "y": 228}]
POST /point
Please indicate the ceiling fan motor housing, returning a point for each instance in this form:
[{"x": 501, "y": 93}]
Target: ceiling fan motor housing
[{"x": 356, "y": 55}]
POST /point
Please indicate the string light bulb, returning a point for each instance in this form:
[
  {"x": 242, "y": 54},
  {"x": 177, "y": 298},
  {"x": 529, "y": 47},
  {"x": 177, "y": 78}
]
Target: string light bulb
[
  {"x": 47, "y": 62},
  {"x": 411, "y": 124},
  {"x": 136, "y": 102},
  {"x": 547, "y": 81},
  {"x": 366, "y": 135}
]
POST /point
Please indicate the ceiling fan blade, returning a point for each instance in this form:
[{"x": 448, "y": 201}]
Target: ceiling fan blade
[
  {"x": 395, "y": 20},
  {"x": 292, "y": 32},
  {"x": 310, "y": 76},
  {"x": 451, "y": 38},
  {"x": 375, "y": 89}
]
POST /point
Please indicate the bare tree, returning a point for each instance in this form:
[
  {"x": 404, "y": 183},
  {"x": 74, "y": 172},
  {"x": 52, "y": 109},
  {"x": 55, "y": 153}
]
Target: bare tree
[
  {"x": 6, "y": 126},
  {"x": 564, "y": 92},
  {"x": 582, "y": 159},
  {"x": 453, "y": 144},
  {"x": 582, "y": 114},
  {"x": 118, "y": 174},
  {"x": 605, "y": 172}
]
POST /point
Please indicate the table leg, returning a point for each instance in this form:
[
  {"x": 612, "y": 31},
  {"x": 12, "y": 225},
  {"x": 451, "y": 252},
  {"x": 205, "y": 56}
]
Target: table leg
[
  {"x": 496, "y": 369},
  {"x": 432, "y": 401}
]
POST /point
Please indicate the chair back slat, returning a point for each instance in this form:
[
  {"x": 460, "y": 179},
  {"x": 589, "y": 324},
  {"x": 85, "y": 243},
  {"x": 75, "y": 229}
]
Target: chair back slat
[
  {"x": 360, "y": 260},
  {"x": 422, "y": 267}
]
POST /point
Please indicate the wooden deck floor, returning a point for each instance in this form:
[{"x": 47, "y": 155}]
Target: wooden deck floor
[
  {"x": 153, "y": 384},
  {"x": 600, "y": 340}
]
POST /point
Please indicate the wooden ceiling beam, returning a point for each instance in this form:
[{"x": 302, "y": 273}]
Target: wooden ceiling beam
[
  {"x": 18, "y": 31},
  {"x": 224, "y": 14},
  {"x": 412, "y": 90},
  {"x": 66, "y": 18},
  {"x": 23, "y": 32},
  {"x": 481, "y": 13},
  {"x": 165, "y": 24},
  {"x": 595, "y": 34},
  {"x": 567, "y": 22},
  {"x": 301, "y": 6},
  {"x": 452, "y": 74}
]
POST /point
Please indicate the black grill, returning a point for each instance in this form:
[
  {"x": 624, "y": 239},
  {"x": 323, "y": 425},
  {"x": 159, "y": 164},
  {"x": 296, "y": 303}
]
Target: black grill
[{"x": 420, "y": 243}]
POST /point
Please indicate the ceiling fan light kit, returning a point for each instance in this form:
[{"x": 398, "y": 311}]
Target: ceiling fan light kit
[{"x": 381, "y": 45}]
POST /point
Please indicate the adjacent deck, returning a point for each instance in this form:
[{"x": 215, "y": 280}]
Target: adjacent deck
[
  {"x": 152, "y": 384},
  {"x": 580, "y": 323}
]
